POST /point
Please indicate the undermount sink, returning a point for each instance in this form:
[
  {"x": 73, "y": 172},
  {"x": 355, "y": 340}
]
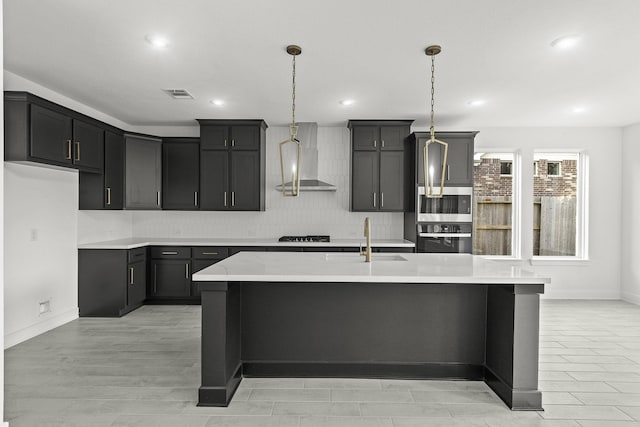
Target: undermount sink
[{"x": 355, "y": 258}]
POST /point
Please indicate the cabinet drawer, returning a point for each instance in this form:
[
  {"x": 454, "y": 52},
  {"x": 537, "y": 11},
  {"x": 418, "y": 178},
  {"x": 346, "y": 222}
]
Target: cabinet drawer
[
  {"x": 210, "y": 252},
  {"x": 169, "y": 252},
  {"x": 137, "y": 254}
]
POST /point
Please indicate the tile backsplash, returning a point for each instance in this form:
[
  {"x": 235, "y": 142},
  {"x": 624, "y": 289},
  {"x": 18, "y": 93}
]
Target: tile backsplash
[{"x": 310, "y": 213}]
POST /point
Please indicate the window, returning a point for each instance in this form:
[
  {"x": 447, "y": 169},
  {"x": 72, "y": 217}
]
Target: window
[
  {"x": 505, "y": 168},
  {"x": 557, "y": 210},
  {"x": 553, "y": 168},
  {"x": 493, "y": 204}
]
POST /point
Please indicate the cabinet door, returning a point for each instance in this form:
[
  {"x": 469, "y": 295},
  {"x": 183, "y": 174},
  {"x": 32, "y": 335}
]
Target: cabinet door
[
  {"x": 392, "y": 177},
  {"x": 214, "y": 180},
  {"x": 364, "y": 181},
  {"x": 88, "y": 145},
  {"x": 365, "y": 137},
  {"x": 460, "y": 162},
  {"x": 143, "y": 173},
  {"x": 392, "y": 137},
  {"x": 113, "y": 170},
  {"x": 171, "y": 278},
  {"x": 245, "y": 180},
  {"x": 137, "y": 283},
  {"x": 245, "y": 137},
  {"x": 214, "y": 137},
  {"x": 180, "y": 174},
  {"x": 51, "y": 137}
]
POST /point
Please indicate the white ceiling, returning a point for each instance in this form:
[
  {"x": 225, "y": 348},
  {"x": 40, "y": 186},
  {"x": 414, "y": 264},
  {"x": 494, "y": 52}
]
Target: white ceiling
[{"x": 94, "y": 51}]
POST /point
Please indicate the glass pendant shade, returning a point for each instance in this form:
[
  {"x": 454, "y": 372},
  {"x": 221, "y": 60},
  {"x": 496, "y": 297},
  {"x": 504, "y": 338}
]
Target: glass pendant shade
[
  {"x": 435, "y": 166},
  {"x": 290, "y": 165}
]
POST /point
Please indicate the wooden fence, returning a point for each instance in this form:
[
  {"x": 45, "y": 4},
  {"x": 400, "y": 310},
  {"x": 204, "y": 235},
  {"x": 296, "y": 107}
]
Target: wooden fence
[{"x": 554, "y": 226}]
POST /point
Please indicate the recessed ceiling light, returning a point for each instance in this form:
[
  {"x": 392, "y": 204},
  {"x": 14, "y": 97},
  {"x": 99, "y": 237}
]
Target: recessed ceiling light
[
  {"x": 347, "y": 102},
  {"x": 157, "y": 41},
  {"x": 565, "y": 42},
  {"x": 579, "y": 109},
  {"x": 217, "y": 102},
  {"x": 476, "y": 102}
]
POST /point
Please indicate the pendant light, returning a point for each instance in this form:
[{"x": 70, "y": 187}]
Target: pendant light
[
  {"x": 290, "y": 148},
  {"x": 438, "y": 157}
]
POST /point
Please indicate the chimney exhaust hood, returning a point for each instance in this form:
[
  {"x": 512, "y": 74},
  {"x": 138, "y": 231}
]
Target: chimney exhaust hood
[{"x": 308, "y": 136}]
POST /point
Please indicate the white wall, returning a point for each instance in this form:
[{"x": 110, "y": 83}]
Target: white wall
[
  {"x": 310, "y": 213},
  {"x": 630, "y": 230},
  {"x": 600, "y": 276},
  {"x": 40, "y": 249}
]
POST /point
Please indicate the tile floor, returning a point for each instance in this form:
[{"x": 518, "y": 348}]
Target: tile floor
[{"x": 143, "y": 370}]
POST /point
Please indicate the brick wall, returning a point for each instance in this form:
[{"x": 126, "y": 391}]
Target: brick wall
[{"x": 487, "y": 180}]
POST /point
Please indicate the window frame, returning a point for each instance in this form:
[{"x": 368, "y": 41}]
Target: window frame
[{"x": 555, "y": 162}]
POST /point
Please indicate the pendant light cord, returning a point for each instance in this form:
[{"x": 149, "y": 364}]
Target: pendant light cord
[
  {"x": 293, "y": 101},
  {"x": 433, "y": 79}
]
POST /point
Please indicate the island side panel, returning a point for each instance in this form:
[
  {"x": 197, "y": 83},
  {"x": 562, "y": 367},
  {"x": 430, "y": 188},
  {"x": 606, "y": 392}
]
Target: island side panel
[
  {"x": 221, "y": 365},
  {"x": 364, "y": 330},
  {"x": 512, "y": 344}
]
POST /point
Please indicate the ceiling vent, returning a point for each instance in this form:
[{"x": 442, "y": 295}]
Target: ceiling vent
[{"x": 178, "y": 93}]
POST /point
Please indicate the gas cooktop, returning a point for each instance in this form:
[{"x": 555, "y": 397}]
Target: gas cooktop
[{"x": 304, "y": 239}]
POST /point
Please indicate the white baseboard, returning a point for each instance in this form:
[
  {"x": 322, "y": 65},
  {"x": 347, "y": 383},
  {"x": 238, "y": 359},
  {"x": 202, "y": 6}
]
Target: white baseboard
[
  {"x": 34, "y": 330},
  {"x": 631, "y": 297}
]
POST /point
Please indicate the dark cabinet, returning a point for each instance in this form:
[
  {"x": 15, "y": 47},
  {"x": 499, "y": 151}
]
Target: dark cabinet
[
  {"x": 40, "y": 131},
  {"x": 111, "y": 282},
  {"x": 379, "y": 165},
  {"x": 232, "y": 165},
  {"x": 106, "y": 190},
  {"x": 180, "y": 173},
  {"x": 459, "y": 169},
  {"x": 204, "y": 257},
  {"x": 143, "y": 172},
  {"x": 171, "y": 272}
]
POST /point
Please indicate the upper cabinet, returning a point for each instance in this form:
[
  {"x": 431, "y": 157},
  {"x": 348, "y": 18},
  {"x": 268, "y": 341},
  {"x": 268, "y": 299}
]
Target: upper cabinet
[
  {"x": 106, "y": 190},
  {"x": 379, "y": 165},
  {"x": 232, "y": 164},
  {"x": 459, "y": 168},
  {"x": 40, "y": 131},
  {"x": 180, "y": 173},
  {"x": 143, "y": 172}
]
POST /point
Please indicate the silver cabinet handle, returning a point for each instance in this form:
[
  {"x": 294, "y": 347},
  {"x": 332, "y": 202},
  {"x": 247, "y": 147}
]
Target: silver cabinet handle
[
  {"x": 233, "y": 142},
  {"x": 131, "y": 281},
  {"x": 68, "y": 149},
  {"x": 169, "y": 253},
  {"x": 186, "y": 271},
  {"x": 108, "y": 196},
  {"x": 158, "y": 198},
  {"x": 155, "y": 279},
  {"x": 381, "y": 199},
  {"x": 375, "y": 143},
  {"x": 195, "y": 198},
  {"x": 448, "y": 172},
  {"x": 209, "y": 253},
  {"x": 374, "y": 200},
  {"x": 77, "y": 151},
  {"x": 383, "y": 143},
  {"x": 225, "y": 199},
  {"x": 233, "y": 198},
  {"x": 225, "y": 142}
]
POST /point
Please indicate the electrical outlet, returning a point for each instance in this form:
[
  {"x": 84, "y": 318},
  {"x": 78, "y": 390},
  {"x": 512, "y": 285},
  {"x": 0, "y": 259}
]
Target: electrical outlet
[{"x": 45, "y": 307}]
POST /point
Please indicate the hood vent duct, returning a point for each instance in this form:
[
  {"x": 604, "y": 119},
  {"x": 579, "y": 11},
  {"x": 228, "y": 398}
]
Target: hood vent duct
[{"x": 308, "y": 135}]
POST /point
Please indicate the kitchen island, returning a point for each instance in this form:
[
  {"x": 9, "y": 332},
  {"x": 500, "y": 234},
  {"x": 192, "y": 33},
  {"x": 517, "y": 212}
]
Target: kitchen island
[{"x": 420, "y": 316}]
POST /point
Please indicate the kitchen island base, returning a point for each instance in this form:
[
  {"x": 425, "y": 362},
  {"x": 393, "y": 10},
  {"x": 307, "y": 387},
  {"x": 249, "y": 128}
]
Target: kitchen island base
[{"x": 371, "y": 330}]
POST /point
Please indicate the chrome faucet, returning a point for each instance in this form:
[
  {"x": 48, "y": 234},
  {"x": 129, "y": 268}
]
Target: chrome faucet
[{"x": 367, "y": 234}]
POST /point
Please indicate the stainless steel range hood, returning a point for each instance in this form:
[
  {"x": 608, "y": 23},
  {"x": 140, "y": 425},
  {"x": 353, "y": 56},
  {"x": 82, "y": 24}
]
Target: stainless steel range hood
[{"x": 308, "y": 135}]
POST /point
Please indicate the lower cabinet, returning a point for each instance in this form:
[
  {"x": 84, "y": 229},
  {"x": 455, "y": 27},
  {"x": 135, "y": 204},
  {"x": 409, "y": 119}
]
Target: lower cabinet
[
  {"x": 111, "y": 282},
  {"x": 170, "y": 271}
]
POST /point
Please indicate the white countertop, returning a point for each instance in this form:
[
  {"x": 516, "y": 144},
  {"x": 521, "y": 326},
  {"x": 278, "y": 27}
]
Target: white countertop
[
  {"x": 350, "y": 267},
  {"x": 137, "y": 242}
]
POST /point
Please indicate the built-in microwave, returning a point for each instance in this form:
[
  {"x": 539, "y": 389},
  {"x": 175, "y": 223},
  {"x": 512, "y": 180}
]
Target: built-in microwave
[{"x": 455, "y": 205}]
